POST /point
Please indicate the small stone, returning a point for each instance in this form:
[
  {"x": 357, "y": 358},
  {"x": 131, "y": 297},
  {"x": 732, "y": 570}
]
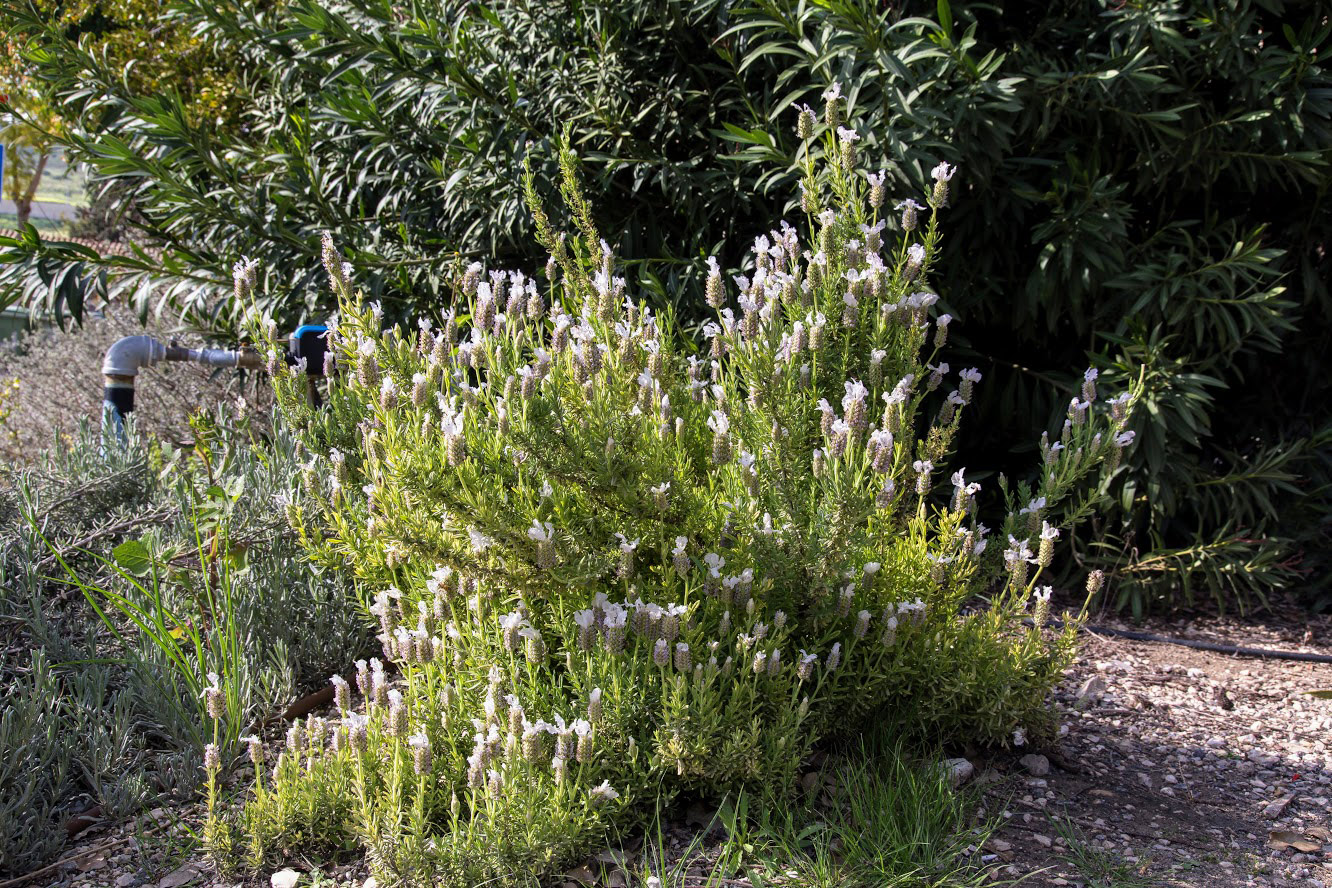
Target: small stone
[
  {"x": 1092, "y": 689},
  {"x": 127, "y": 880},
  {"x": 1043, "y": 841},
  {"x": 285, "y": 878},
  {"x": 959, "y": 770},
  {"x": 183, "y": 876},
  {"x": 1036, "y": 765}
]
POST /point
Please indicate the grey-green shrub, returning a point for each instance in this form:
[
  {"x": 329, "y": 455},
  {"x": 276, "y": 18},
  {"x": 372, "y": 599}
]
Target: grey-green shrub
[{"x": 90, "y": 716}]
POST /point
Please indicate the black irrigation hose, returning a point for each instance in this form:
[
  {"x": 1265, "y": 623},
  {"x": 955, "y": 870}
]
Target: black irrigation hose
[{"x": 1210, "y": 645}]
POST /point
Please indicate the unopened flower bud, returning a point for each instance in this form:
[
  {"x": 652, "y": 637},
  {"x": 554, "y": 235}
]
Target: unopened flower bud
[
  {"x": 835, "y": 656},
  {"x": 805, "y": 122}
]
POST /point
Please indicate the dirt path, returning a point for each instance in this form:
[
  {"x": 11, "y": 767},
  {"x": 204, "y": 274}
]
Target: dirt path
[{"x": 1178, "y": 767}]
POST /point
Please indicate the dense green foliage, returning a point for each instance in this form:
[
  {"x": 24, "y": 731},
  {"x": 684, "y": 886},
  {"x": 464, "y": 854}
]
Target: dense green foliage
[
  {"x": 687, "y": 570},
  {"x": 1147, "y": 187},
  {"x": 206, "y": 579}
]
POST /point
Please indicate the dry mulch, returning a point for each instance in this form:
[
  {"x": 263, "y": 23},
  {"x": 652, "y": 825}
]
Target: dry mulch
[{"x": 1176, "y": 767}]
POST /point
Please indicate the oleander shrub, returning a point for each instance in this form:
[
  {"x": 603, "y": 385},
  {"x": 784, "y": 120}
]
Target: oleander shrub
[
  {"x": 609, "y": 569},
  {"x": 1148, "y": 193}
]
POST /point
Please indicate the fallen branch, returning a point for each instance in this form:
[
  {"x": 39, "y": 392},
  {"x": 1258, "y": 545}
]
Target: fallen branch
[{"x": 129, "y": 524}]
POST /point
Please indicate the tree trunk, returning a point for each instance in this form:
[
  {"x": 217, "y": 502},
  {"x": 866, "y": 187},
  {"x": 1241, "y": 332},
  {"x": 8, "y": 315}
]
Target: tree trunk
[{"x": 23, "y": 206}]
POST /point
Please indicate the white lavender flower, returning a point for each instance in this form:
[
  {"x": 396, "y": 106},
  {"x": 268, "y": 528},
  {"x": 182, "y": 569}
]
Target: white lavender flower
[
  {"x": 721, "y": 438},
  {"x": 910, "y": 210},
  {"x": 397, "y": 715},
  {"x": 876, "y": 193},
  {"x": 922, "y": 468},
  {"x": 840, "y": 437},
  {"x": 214, "y": 700},
  {"x": 1119, "y": 406},
  {"x": 535, "y": 647},
  {"x": 679, "y": 560},
  {"x": 805, "y": 666},
  {"x": 357, "y": 732},
  {"x": 511, "y": 624},
  {"x": 603, "y": 793},
  {"x": 846, "y": 141},
  {"x": 969, "y": 378},
  {"x": 941, "y": 329},
  {"x": 212, "y": 759},
  {"x": 715, "y": 293},
  {"x": 421, "y": 758},
  {"x": 884, "y": 498},
  {"x": 594, "y": 706},
  {"x": 853, "y": 404},
  {"x": 942, "y": 174},
  {"x": 889, "y": 635},
  {"x": 682, "y": 661},
  {"x": 1045, "y": 551},
  {"x": 832, "y": 109},
  {"x": 341, "y": 693},
  {"x": 255, "y": 748},
  {"x": 805, "y": 121},
  {"x": 1016, "y": 558},
  {"x": 915, "y": 259},
  {"x": 1041, "y": 611},
  {"x": 659, "y": 493}
]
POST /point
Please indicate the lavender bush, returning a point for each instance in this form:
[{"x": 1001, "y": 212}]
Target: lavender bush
[{"x": 609, "y": 566}]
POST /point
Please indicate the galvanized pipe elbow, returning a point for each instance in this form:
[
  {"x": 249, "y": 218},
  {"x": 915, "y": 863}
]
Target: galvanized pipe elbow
[{"x": 131, "y": 354}]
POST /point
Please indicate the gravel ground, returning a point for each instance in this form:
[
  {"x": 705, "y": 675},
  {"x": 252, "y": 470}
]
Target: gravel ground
[{"x": 1177, "y": 767}]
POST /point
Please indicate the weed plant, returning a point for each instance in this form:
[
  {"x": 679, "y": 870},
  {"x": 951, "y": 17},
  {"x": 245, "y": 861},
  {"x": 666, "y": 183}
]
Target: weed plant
[{"x": 608, "y": 568}]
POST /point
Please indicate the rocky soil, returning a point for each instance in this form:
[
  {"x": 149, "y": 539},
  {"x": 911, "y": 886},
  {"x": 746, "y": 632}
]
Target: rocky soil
[{"x": 1176, "y": 767}]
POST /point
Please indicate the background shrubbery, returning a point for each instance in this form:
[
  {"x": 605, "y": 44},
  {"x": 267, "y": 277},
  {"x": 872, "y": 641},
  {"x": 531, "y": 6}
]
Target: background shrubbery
[
  {"x": 107, "y": 715},
  {"x": 1147, "y": 184}
]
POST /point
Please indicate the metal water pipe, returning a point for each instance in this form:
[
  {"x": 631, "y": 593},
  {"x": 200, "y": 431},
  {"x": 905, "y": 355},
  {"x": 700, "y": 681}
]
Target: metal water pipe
[{"x": 131, "y": 354}]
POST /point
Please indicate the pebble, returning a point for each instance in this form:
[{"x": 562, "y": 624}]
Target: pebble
[
  {"x": 959, "y": 770},
  {"x": 1036, "y": 765}
]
